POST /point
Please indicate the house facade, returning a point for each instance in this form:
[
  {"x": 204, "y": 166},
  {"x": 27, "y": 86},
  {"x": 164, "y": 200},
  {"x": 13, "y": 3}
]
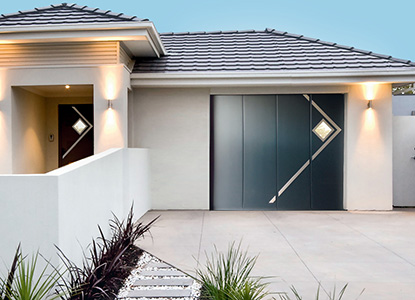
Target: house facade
[{"x": 236, "y": 120}]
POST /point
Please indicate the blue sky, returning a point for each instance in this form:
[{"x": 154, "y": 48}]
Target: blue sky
[{"x": 385, "y": 27}]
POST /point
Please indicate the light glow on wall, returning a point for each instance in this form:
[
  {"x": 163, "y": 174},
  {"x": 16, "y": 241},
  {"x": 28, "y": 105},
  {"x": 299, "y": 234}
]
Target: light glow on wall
[
  {"x": 110, "y": 85},
  {"x": 370, "y": 122},
  {"x": 111, "y": 127},
  {"x": 370, "y": 90}
]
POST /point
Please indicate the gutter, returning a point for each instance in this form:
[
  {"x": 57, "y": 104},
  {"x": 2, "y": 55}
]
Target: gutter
[{"x": 281, "y": 78}]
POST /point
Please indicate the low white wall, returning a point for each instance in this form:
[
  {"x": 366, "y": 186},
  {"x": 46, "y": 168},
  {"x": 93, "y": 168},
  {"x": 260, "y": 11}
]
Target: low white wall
[
  {"x": 29, "y": 214},
  {"x": 64, "y": 207},
  {"x": 403, "y": 162},
  {"x": 403, "y": 105}
]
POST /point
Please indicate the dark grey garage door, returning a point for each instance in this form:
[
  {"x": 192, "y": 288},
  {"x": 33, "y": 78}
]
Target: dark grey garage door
[{"x": 277, "y": 152}]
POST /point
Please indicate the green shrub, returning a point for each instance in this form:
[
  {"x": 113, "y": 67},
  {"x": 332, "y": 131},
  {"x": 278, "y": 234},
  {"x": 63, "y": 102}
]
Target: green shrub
[
  {"x": 227, "y": 276},
  {"x": 22, "y": 283},
  {"x": 331, "y": 295}
]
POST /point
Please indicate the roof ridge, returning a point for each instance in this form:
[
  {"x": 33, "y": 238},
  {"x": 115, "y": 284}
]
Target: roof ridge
[
  {"x": 302, "y": 37},
  {"x": 297, "y": 36},
  {"x": 75, "y": 6},
  {"x": 211, "y": 32}
]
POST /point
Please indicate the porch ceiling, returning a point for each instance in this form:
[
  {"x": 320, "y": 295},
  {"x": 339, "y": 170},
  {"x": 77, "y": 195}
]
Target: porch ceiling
[{"x": 61, "y": 90}]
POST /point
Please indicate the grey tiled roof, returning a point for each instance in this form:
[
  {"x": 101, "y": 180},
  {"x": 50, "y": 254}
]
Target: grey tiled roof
[
  {"x": 260, "y": 51},
  {"x": 62, "y": 14}
]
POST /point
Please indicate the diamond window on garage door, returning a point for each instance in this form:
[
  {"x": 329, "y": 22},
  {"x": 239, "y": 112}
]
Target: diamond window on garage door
[{"x": 323, "y": 130}]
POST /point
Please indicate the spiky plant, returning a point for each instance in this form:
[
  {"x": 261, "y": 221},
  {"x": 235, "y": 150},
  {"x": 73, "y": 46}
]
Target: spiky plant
[
  {"x": 108, "y": 262},
  {"x": 331, "y": 295},
  {"x": 26, "y": 282},
  {"x": 29, "y": 286},
  {"x": 227, "y": 276},
  {"x": 6, "y": 284}
]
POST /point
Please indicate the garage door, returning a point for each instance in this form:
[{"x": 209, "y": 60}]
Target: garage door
[{"x": 277, "y": 152}]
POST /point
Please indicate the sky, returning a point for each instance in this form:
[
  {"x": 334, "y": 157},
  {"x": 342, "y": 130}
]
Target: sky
[{"x": 384, "y": 27}]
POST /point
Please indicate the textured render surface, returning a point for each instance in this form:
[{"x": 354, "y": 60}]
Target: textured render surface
[
  {"x": 267, "y": 50},
  {"x": 369, "y": 250},
  {"x": 368, "y": 150},
  {"x": 174, "y": 125},
  {"x": 63, "y": 14}
]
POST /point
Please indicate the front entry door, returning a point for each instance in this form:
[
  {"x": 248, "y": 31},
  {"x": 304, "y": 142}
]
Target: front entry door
[
  {"x": 76, "y": 134},
  {"x": 277, "y": 152}
]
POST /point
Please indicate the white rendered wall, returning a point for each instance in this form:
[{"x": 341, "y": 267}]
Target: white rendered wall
[
  {"x": 64, "y": 207},
  {"x": 109, "y": 82},
  {"x": 368, "y": 153},
  {"x": 29, "y": 132},
  {"x": 174, "y": 125},
  {"x": 403, "y": 161},
  {"x": 29, "y": 215}
]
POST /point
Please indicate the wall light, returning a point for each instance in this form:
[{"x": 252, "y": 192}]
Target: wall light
[
  {"x": 67, "y": 86},
  {"x": 109, "y": 104},
  {"x": 370, "y": 90}
]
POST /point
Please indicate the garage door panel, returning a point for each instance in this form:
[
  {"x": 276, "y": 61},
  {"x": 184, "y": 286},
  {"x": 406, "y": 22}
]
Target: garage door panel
[
  {"x": 293, "y": 150},
  {"x": 327, "y": 166},
  {"x": 297, "y": 196},
  {"x": 283, "y": 148},
  {"x": 259, "y": 152},
  {"x": 227, "y": 152}
]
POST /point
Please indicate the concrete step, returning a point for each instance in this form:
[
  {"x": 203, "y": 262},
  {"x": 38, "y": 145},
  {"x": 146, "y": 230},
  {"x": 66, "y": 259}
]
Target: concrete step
[
  {"x": 162, "y": 272},
  {"x": 159, "y": 293},
  {"x": 164, "y": 282},
  {"x": 159, "y": 265}
]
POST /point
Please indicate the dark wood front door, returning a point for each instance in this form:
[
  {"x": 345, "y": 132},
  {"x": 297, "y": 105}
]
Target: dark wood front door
[{"x": 76, "y": 133}]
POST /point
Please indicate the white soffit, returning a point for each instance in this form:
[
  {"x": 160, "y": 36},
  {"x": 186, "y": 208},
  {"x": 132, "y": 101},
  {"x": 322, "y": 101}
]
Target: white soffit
[{"x": 141, "y": 39}]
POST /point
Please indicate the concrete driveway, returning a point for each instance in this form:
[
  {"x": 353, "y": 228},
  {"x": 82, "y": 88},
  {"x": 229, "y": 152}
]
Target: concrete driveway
[{"x": 374, "y": 251}]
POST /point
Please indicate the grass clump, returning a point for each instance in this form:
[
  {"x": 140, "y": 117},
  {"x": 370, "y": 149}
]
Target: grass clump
[
  {"x": 227, "y": 276},
  {"x": 23, "y": 283},
  {"x": 330, "y": 296}
]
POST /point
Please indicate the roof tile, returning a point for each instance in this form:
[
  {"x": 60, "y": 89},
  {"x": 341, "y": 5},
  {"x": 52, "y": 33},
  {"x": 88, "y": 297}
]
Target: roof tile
[{"x": 254, "y": 51}]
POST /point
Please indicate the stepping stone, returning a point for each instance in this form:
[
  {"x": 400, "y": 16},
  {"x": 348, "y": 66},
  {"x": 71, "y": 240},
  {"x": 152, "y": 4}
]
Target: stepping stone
[
  {"x": 164, "y": 282},
  {"x": 159, "y": 293},
  {"x": 162, "y": 272},
  {"x": 158, "y": 265}
]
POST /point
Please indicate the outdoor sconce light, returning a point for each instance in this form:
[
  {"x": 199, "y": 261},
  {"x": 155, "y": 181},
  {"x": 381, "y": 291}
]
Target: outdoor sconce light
[
  {"x": 370, "y": 89},
  {"x": 109, "y": 104}
]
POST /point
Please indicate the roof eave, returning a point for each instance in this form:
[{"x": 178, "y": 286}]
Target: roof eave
[
  {"x": 282, "y": 78},
  {"x": 115, "y": 31}
]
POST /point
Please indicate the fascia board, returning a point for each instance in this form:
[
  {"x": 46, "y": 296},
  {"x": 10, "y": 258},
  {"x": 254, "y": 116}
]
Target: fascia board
[
  {"x": 219, "y": 79},
  {"x": 156, "y": 39},
  {"x": 73, "y": 35},
  {"x": 75, "y": 27}
]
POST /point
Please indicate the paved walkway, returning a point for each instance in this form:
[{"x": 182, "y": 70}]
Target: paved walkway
[
  {"x": 159, "y": 280},
  {"x": 374, "y": 251}
]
